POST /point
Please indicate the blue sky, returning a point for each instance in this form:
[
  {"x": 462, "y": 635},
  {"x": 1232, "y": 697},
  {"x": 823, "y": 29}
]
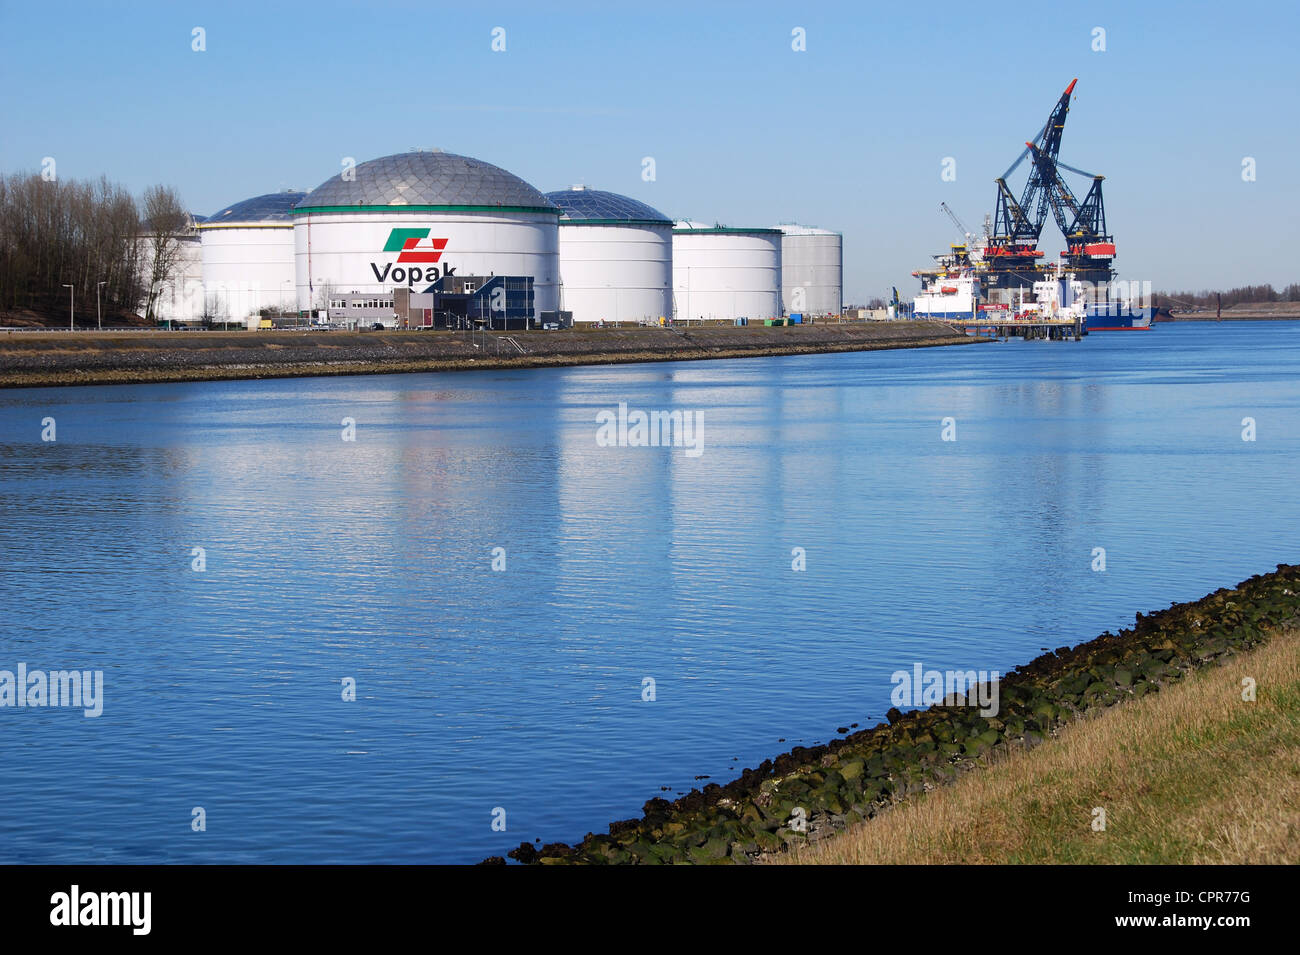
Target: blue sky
[{"x": 849, "y": 134}]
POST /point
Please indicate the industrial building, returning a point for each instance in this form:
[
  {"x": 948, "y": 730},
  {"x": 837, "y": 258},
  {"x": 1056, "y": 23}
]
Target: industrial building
[
  {"x": 499, "y": 302},
  {"x": 248, "y": 257},
  {"x": 723, "y": 274},
  {"x": 812, "y": 270},
  {"x": 616, "y": 257},
  {"x": 430, "y": 222}
]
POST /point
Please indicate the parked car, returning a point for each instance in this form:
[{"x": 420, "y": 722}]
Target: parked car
[
  {"x": 551, "y": 326},
  {"x": 377, "y": 327}
]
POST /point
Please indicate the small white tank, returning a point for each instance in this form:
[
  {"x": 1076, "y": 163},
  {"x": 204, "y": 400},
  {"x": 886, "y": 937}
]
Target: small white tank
[
  {"x": 812, "y": 270},
  {"x": 248, "y": 256},
  {"x": 722, "y": 273},
  {"x": 616, "y": 257}
]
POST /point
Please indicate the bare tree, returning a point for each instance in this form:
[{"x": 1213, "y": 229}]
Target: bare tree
[
  {"x": 324, "y": 296},
  {"x": 164, "y": 222},
  {"x": 54, "y": 232},
  {"x": 214, "y": 309}
]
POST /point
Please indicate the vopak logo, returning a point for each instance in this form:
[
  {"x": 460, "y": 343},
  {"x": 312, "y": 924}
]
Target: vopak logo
[{"x": 407, "y": 244}]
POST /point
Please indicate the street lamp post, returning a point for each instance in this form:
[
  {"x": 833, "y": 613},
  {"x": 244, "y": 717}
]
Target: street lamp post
[
  {"x": 99, "y": 312},
  {"x": 688, "y": 295},
  {"x": 71, "y": 299}
]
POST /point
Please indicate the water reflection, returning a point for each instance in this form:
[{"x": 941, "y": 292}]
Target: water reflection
[{"x": 372, "y": 559}]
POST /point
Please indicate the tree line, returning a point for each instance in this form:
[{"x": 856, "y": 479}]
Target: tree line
[
  {"x": 55, "y": 233},
  {"x": 1245, "y": 295}
]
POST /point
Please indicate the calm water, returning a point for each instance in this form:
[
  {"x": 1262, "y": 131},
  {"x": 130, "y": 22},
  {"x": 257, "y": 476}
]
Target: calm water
[{"x": 522, "y": 689}]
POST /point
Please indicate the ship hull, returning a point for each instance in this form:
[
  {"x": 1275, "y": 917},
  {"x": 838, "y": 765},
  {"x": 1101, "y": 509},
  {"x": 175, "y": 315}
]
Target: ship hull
[
  {"x": 940, "y": 316},
  {"x": 1116, "y": 318}
]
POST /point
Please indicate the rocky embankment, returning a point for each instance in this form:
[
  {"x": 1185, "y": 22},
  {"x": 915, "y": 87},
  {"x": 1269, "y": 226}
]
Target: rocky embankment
[
  {"x": 856, "y": 777},
  {"x": 36, "y": 359}
]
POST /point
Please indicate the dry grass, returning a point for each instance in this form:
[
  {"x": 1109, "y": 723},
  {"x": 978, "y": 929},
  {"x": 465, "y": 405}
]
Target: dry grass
[{"x": 1192, "y": 775}]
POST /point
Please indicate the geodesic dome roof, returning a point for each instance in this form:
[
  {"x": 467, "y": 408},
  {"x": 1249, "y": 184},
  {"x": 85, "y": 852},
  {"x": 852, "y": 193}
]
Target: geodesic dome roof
[
  {"x": 426, "y": 179},
  {"x": 272, "y": 207},
  {"x": 580, "y": 204}
]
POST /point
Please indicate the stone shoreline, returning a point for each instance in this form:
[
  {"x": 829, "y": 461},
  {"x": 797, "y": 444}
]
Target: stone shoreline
[
  {"x": 858, "y": 776},
  {"x": 42, "y": 359}
]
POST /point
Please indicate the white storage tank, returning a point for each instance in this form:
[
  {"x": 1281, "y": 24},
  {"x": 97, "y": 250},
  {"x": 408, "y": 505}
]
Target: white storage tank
[
  {"x": 616, "y": 257},
  {"x": 430, "y": 221},
  {"x": 812, "y": 270},
  {"x": 721, "y": 273},
  {"x": 248, "y": 257}
]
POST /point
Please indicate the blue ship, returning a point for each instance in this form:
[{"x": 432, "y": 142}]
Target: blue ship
[{"x": 1115, "y": 317}]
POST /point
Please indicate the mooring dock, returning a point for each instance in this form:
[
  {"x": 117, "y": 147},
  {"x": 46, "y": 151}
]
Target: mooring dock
[{"x": 1047, "y": 329}]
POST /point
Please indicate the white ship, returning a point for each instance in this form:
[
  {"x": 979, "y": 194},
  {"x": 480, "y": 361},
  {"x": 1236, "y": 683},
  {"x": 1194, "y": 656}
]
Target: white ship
[
  {"x": 951, "y": 290},
  {"x": 949, "y": 297},
  {"x": 954, "y": 292}
]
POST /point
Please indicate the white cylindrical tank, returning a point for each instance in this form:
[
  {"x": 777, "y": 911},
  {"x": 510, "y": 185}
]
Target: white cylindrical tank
[
  {"x": 414, "y": 220},
  {"x": 812, "y": 270},
  {"x": 722, "y": 273},
  {"x": 248, "y": 257},
  {"x": 616, "y": 257}
]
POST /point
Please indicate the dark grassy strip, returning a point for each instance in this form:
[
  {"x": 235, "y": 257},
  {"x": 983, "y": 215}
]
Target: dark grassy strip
[{"x": 855, "y": 777}]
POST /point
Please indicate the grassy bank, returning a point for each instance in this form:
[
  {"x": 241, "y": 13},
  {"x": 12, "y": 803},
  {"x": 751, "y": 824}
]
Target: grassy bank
[
  {"x": 38, "y": 359},
  {"x": 811, "y": 793},
  {"x": 1191, "y": 776}
]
